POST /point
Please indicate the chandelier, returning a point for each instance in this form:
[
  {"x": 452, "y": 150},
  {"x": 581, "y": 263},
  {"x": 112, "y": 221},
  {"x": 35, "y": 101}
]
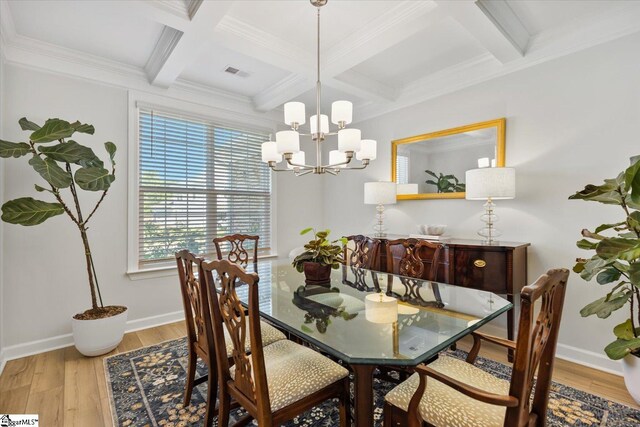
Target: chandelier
[{"x": 287, "y": 143}]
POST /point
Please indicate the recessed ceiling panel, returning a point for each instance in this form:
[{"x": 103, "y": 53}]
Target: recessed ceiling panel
[
  {"x": 252, "y": 77},
  {"x": 538, "y": 16},
  {"x": 109, "y": 29},
  {"x": 442, "y": 45}
]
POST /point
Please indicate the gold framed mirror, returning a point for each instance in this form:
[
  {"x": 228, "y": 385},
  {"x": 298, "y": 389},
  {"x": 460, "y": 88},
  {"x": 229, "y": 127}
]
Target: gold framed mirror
[{"x": 433, "y": 165}]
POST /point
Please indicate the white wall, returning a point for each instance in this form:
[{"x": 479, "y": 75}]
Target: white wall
[
  {"x": 44, "y": 274},
  {"x": 571, "y": 121}
]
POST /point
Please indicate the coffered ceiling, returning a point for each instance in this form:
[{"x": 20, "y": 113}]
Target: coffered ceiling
[{"x": 382, "y": 55}]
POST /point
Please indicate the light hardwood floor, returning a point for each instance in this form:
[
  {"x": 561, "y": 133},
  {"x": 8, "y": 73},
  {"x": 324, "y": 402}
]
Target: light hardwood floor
[{"x": 67, "y": 389}]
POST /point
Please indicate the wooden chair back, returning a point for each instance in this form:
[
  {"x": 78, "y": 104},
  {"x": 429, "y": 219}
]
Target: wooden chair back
[
  {"x": 536, "y": 347},
  {"x": 196, "y": 307},
  {"x": 364, "y": 254},
  {"x": 239, "y": 248},
  {"x": 249, "y": 384},
  {"x": 412, "y": 262}
]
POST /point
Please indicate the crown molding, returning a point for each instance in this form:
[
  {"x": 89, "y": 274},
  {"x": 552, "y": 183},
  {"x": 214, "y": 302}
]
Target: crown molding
[{"x": 168, "y": 40}]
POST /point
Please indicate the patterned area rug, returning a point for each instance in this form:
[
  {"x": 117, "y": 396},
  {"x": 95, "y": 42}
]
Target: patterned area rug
[{"x": 146, "y": 388}]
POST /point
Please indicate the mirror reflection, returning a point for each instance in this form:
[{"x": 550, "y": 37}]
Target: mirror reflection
[{"x": 432, "y": 166}]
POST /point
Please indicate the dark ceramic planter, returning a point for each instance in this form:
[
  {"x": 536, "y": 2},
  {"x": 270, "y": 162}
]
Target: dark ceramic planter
[{"x": 316, "y": 273}]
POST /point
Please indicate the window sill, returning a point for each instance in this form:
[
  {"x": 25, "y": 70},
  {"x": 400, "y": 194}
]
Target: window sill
[{"x": 168, "y": 270}]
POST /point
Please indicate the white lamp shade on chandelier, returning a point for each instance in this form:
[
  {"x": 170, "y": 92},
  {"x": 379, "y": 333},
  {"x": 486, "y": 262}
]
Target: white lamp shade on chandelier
[
  {"x": 324, "y": 123},
  {"x": 368, "y": 150},
  {"x": 336, "y": 157},
  {"x": 270, "y": 152},
  {"x": 494, "y": 183},
  {"x": 288, "y": 141},
  {"x": 294, "y": 113},
  {"x": 297, "y": 159},
  {"x": 380, "y": 193},
  {"x": 341, "y": 112},
  {"x": 349, "y": 140}
]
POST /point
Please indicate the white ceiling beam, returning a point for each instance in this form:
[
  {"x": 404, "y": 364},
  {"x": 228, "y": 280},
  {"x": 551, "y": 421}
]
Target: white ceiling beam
[
  {"x": 401, "y": 22},
  {"x": 176, "y": 49},
  {"x": 362, "y": 86},
  {"x": 493, "y": 23}
]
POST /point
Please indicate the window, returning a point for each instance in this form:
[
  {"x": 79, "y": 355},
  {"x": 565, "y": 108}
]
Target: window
[
  {"x": 402, "y": 169},
  {"x": 198, "y": 180}
]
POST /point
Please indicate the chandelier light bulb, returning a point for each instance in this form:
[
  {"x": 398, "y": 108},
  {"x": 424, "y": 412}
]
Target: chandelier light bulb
[
  {"x": 349, "y": 140},
  {"x": 368, "y": 150},
  {"x": 288, "y": 141},
  {"x": 341, "y": 112},
  {"x": 298, "y": 159},
  {"x": 324, "y": 123},
  {"x": 336, "y": 157},
  {"x": 294, "y": 113},
  {"x": 270, "y": 152}
]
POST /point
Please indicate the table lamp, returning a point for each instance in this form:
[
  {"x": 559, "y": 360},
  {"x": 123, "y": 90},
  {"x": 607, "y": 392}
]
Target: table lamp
[
  {"x": 380, "y": 193},
  {"x": 490, "y": 184}
]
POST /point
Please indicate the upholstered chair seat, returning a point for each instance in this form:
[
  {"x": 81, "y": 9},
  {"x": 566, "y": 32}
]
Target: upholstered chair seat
[
  {"x": 295, "y": 372},
  {"x": 269, "y": 335},
  {"x": 441, "y": 405}
]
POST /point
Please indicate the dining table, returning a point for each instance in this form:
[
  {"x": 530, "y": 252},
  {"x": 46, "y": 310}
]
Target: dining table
[{"x": 369, "y": 319}]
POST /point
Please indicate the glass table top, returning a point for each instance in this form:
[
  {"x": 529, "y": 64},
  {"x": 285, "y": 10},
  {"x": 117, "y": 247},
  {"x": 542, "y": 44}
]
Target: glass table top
[{"x": 340, "y": 319}]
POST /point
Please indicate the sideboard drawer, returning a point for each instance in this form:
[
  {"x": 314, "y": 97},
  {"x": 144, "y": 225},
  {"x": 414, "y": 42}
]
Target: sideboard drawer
[{"x": 480, "y": 269}]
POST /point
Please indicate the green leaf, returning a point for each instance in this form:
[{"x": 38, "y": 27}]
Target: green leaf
[
  {"x": 604, "y": 227},
  {"x": 590, "y": 235},
  {"x": 306, "y": 230},
  {"x": 632, "y": 181},
  {"x": 83, "y": 127},
  {"x": 27, "y": 125},
  {"x": 624, "y": 330},
  {"x": 606, "y": 193},
  {"x": 52, "y": 130},
  {"x": 68, "y": 152},
  {"x": 620, "y": 348},
  {"x": 585, "y": 244},
  {"x": 13, "y": 149},
  {"x": 93, "y": 178},
  {"x": 603, "y": 307},
  {"x": 593, "y": 266},
  {"x": 51, "y": 172},
  {"x": 41, "y": 189},
  {"x": 111, "y": 149},
  {"x": 28, "y": 211},
  {"x": 607, "y": 276},
  {"x": 634, "y": 273},
  {"x": 306, "y": 329},
  {"x": 617, "y": 247}
]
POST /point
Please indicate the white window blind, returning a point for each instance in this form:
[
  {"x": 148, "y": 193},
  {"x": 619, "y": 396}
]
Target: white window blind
[
  {"x": 402, "y": 169},
  {"x": 198, "y": 180}
]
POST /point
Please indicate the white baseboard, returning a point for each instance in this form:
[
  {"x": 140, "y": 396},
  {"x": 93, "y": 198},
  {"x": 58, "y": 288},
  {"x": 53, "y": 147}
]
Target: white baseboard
[
  {"x": 40, "y": 346},
  {"x": 588, "y": 358}
]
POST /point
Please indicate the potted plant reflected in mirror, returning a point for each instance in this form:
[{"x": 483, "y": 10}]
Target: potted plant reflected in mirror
[
  {"x": 445, "y": 183},
  {"x": 319, "y": 257},
  {"x": 616, "y": 267},
  {"x": 332, "y": 305},
  {"x": 66, "y": 168}
]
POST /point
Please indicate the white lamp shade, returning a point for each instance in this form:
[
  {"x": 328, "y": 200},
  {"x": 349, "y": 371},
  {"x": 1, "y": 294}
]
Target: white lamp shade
[
  {"x": 349, "y": 140},
  {"x": 324, "y": 123},
  {"x": 407, "y": 188},
  {"x": 294, "y": 113},
  {"x": 270, "y": 152},
  {"x": 495, "y": 183},
  {"x": 380, "y": 193},
  {"x": 288, "y": 141},
  {"x": 341, "y": 111},
  {"x": 379, "y": 308},
  {"x": 298, "y": 159},
  {"x": 368, "y": 150},
  {"x": 483, "y": 162},
  {"x": 336, "y": 156}
]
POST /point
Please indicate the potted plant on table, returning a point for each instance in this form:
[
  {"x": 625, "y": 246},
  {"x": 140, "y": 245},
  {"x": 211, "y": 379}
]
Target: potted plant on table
[
  {"x": 68, "y": 167},
  {"x": 319, "y": 257},
  {"x": 616, "y": 264}
]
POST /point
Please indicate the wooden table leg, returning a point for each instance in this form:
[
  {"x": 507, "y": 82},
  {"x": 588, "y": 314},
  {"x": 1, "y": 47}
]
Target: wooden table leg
[{"x": 363, "y": 396}]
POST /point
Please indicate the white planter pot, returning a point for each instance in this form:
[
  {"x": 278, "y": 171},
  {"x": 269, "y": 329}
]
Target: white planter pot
[
  {"x": 99, "y": 336},
  {"x": 631, "y": 370}
]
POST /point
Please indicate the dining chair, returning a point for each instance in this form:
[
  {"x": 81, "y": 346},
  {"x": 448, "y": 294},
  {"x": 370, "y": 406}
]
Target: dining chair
[
  {"x": 453, "y": 392},
  {"x": 237, "y": 252},
  {"x": 200, "y": 339},
  {"x": 275, "y": 382},
  {"x": 364, "y": 252}
]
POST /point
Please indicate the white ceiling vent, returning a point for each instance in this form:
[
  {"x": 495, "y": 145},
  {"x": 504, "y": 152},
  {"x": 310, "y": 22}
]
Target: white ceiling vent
[{"x": 236, "y": 72}]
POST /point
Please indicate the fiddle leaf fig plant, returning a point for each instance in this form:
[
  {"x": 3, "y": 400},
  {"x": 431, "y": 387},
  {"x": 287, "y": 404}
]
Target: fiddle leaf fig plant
[
  {"x": 445, "y": 183},
  {"x": 66, "y": 167},
  {"x": 616, "y": 262},
  {"x": 320, "y": 250}
]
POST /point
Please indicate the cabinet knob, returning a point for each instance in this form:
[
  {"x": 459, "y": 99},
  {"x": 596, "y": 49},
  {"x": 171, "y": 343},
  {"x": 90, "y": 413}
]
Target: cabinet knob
[{"x": 480, "y": 263}]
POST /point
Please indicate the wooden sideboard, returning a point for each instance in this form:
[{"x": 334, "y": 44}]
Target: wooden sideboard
[{"x": 500, "y": 268}]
